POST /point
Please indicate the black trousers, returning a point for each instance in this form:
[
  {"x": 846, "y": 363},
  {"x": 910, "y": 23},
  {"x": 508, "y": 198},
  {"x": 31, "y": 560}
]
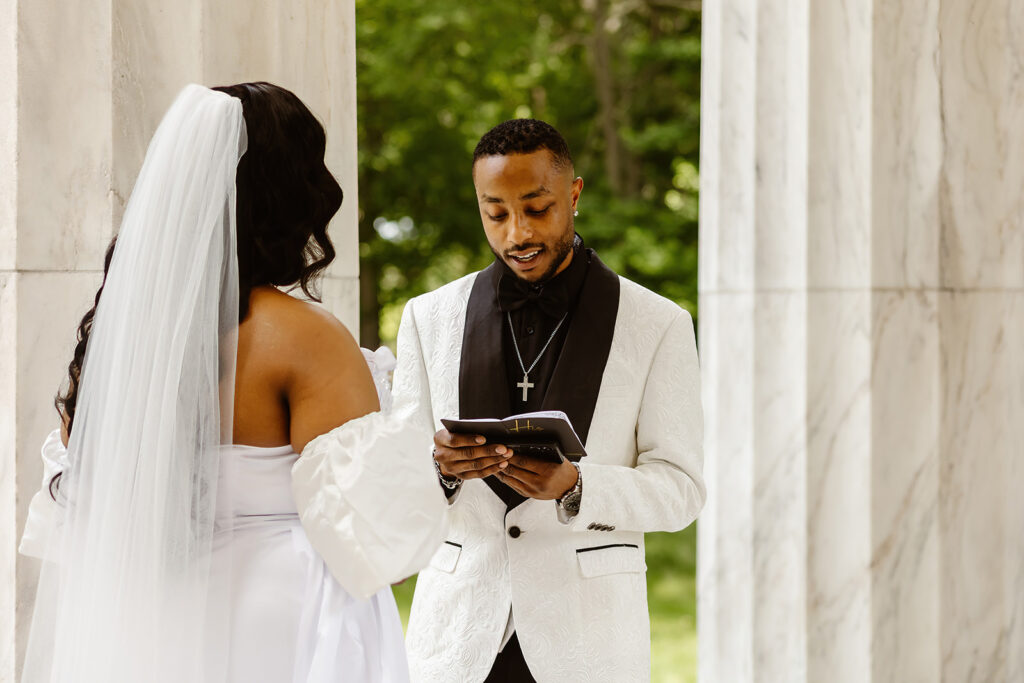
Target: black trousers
[{"x": 510, "y": 666}]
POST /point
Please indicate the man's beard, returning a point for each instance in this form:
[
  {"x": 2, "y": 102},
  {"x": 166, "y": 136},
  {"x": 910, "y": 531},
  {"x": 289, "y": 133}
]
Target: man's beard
[{"x": 561, "y": 251}]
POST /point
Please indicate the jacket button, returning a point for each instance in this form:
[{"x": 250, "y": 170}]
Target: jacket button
[{"x": 514, "y": 531}]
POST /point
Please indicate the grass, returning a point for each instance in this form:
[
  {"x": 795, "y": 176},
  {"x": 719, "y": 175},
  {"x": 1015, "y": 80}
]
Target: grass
[
  {"x": 403, "y": 596},
  {"x": 672, "y": 600}
]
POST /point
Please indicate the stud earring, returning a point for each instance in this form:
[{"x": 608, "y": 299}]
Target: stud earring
[{"x": 576, "y": 212}]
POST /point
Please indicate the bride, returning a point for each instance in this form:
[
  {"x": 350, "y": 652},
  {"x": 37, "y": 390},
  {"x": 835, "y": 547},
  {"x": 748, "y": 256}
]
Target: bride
[{"x": 185, "y": 539}]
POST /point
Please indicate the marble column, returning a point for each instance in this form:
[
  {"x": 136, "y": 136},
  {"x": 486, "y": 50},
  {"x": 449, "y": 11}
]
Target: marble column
[
  {"x": 862, "y": 337},
  {"x": 82, "y": 89}
]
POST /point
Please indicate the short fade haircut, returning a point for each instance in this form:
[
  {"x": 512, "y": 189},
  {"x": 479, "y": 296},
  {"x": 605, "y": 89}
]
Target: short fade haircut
[{"x": 523, "y": 136}]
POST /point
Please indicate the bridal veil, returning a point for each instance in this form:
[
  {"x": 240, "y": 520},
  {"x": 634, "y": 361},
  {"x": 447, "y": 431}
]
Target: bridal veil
[{"x": 124, "y": 596}]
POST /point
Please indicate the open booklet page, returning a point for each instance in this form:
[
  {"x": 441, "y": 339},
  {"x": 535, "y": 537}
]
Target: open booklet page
[{"x": 545, "y": 434}]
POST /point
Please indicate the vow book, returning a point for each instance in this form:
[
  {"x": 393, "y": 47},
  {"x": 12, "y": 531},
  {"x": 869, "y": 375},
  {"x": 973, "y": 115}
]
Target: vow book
[{"x": 547, "y": 434}]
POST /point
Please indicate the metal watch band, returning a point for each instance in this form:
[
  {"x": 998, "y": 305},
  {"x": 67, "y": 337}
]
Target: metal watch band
[
  {"x": 450, "y": 483},
  {"x": 570, "y": 502}
]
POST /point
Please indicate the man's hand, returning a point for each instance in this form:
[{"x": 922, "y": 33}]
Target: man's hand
[
  {"x": 540, "y": 479},
  {"x": 468, "y": 456}
]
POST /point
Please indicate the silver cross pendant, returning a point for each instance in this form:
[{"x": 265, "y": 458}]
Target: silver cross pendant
[{"x": 525, "y": 385}]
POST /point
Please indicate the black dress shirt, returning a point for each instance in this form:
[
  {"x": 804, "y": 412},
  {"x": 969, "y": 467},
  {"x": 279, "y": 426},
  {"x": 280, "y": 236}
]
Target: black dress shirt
[{"x": 533, "y": 325}]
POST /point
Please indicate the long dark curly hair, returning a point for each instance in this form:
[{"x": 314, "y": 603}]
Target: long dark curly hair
[{"x": 285, "y": 199}]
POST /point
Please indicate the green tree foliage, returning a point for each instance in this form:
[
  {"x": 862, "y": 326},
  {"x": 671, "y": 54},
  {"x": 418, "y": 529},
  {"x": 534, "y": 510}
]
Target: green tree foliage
[{"x": 619, "y": 78}]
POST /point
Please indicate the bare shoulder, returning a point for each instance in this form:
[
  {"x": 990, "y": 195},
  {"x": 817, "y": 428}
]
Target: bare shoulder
[
  {"x": 307, "y": 329},
  {"x": 323, "y": 375}
]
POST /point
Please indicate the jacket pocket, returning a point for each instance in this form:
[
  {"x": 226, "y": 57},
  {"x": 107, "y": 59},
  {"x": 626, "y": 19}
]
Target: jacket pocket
[
  {"x": 616, "y": 558},
  {"x": 446, "y": 557}
]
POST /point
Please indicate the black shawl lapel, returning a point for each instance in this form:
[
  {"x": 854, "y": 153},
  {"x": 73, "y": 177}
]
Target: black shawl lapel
[
  {"x": 576, "y": 381},
  {"x": 483, "y": 383}
]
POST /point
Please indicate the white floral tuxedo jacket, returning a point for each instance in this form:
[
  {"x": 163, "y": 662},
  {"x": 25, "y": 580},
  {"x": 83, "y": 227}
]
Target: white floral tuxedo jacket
[{"x": 577, "y": 590}]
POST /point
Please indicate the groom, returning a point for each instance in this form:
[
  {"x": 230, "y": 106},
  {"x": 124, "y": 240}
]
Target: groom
[{"x": 543, "y": 574}]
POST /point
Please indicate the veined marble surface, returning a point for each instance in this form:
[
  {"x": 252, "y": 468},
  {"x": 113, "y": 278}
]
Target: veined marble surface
[
  {"x": 82, "y": 89},
  {"x": 905, "y": 420},
  {"x": 49, "y": 306},
  {"x": 8, "y": 474},
  {"x": 907, "y": 148},
  {"x": 839, "y": 127},
  {"x": 8, "y": 135},
  {"x": 725, "y": 581},
  {"x": 982, "y": 86},
  {"x": 838, "y": 485},
  {"x": 341, "y": 297},
  {"x": 980, "y": 507},
  {"x": 64, "y": 135},
  {"x": 862, "y": 340}
]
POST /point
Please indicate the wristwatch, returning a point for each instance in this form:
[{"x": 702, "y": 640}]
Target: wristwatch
[
  {"x": 450, "y": 483},
  {"x": 570, "y": 502}
]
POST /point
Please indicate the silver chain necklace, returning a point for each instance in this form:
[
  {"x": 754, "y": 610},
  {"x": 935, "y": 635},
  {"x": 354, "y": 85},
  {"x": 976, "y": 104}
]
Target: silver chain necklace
[{"x": 526, "y": 384}]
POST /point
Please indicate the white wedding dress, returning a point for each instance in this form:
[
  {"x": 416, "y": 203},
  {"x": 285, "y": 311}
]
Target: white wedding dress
[
  {"x": 289, "y": 619},
  {"x": 173, "y": 558}
]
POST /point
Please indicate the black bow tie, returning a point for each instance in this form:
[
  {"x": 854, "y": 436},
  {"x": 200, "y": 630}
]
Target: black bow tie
[{"x": 513, "y": 293}]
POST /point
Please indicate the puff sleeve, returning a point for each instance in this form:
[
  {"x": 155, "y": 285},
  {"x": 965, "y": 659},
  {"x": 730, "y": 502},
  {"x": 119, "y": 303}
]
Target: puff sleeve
[
  {"x": 44, "y": 513},
  {"x": 368, "y": 499}
]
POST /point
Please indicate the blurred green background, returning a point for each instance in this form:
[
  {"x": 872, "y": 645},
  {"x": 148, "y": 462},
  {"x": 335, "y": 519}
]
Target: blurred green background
[{"x": 621, "y": 80}]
